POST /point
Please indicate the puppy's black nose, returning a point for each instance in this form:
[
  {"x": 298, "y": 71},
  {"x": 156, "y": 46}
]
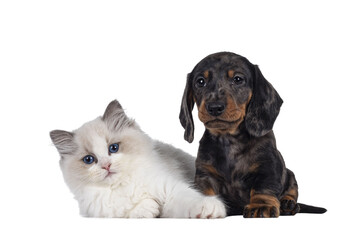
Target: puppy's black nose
[{"x": 215, "y": 108}]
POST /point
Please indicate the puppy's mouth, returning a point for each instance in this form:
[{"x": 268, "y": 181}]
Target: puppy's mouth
[{"x": 222, "y": 124}]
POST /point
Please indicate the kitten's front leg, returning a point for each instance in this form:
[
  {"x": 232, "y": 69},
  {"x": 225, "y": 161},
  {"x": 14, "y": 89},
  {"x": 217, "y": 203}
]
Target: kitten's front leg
[
  {"x": 186, "y": 202},
  {"x": 209, "y": 187},
  {"x": 147, "y": 208},
  {"x": 207, "y": 207}
]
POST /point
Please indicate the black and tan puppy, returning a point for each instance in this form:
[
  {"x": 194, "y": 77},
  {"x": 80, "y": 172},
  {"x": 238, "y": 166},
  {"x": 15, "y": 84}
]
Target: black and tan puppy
[{"x": 237, "y": 157}]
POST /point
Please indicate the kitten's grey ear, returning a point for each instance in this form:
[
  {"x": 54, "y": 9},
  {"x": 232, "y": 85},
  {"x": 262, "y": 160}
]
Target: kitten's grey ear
[
  {"x": 63, "y": 141},
  {"x": 112, "y": 108},
  {"x": 115, "y": 117}
]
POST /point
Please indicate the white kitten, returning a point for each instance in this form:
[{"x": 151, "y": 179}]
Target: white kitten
[{"x": 115, "y": 170}]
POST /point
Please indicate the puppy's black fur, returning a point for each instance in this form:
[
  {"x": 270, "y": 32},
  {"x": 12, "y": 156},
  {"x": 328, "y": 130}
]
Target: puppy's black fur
[{"x": 237, "y": 157}]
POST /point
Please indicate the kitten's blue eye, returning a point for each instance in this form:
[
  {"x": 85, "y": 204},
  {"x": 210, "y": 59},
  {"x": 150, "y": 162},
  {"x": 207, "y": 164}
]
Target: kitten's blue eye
[
  {"x": 88, "y": 159},
  {"x": 113, "y": 148}
]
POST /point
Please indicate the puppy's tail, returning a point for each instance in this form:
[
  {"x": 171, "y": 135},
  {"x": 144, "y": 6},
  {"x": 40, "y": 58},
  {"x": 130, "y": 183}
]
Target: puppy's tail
[{"x": 311, "y": 209}]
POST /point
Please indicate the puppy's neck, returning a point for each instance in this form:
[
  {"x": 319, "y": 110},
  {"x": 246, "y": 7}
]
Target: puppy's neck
[
  {"x": 234, "y": 129},
  {"x": 238, "y": 133}
]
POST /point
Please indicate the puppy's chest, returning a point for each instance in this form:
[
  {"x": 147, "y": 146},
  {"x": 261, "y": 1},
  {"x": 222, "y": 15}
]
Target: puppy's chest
[
  {"x": 235, "y": 169},
  {"x": 230, "y": 158}
]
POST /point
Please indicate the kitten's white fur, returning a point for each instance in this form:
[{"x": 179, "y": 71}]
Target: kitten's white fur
[{"x": 146, "y": 178}]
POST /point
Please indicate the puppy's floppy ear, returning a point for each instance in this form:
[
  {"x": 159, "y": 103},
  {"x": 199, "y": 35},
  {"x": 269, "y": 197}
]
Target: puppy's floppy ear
[
  {"x": 264, "y": 106},
  {"x": 187, "y": 106}
]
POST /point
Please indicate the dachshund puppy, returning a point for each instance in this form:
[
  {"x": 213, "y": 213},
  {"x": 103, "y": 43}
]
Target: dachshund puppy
[{"x": 237, "y": 157}]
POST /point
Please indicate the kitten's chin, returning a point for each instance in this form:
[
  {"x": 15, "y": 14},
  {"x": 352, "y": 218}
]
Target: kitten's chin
[
  {"x": 110, "y": 178},
  {"x": 109, "y": 174}
]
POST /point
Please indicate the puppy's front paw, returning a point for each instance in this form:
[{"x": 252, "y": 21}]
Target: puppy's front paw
[
  {"x": 289, "y": 207},
  {"x": 258, "y": 210},
  {"x": 209, "y": 207},
  {"x": 147, "y": 208}
]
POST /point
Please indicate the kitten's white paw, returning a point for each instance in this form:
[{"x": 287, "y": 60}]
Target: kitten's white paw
[
  {"x": 147, "y": 208},
  {"x": 209, "y": 207}
]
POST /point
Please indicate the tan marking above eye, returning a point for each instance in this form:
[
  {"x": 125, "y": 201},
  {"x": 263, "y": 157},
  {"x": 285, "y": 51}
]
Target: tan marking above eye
[
  {"x": 206, "y": 74},
  {"x": 231, "y": 73}
]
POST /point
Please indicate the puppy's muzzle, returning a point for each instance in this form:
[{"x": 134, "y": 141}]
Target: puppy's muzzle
[{"x": 215, "y": 108}]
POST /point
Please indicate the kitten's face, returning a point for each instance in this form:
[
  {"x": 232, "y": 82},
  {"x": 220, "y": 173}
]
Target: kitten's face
[{"x": 101, "y": 151}]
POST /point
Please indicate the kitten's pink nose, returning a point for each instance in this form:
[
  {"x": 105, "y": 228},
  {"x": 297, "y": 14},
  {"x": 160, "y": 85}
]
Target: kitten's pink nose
[{"x": 106, "y": 166}]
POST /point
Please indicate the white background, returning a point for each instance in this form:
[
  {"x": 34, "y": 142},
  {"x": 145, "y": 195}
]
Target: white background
[{"x": 62, "y": 62}]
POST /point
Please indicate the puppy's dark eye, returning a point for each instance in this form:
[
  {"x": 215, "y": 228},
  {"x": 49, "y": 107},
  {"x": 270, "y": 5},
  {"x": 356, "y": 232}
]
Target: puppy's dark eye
[
  {"x": 200, "y": 82},
  {"x": 88, "y": 159},
  {"x": 238, "y": 80},
  {"x": 113, "y": 148}
]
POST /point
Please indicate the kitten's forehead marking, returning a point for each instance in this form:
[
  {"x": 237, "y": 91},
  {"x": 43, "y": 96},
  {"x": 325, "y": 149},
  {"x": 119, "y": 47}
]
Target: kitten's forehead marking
[{"x": 93, "y": 137}]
